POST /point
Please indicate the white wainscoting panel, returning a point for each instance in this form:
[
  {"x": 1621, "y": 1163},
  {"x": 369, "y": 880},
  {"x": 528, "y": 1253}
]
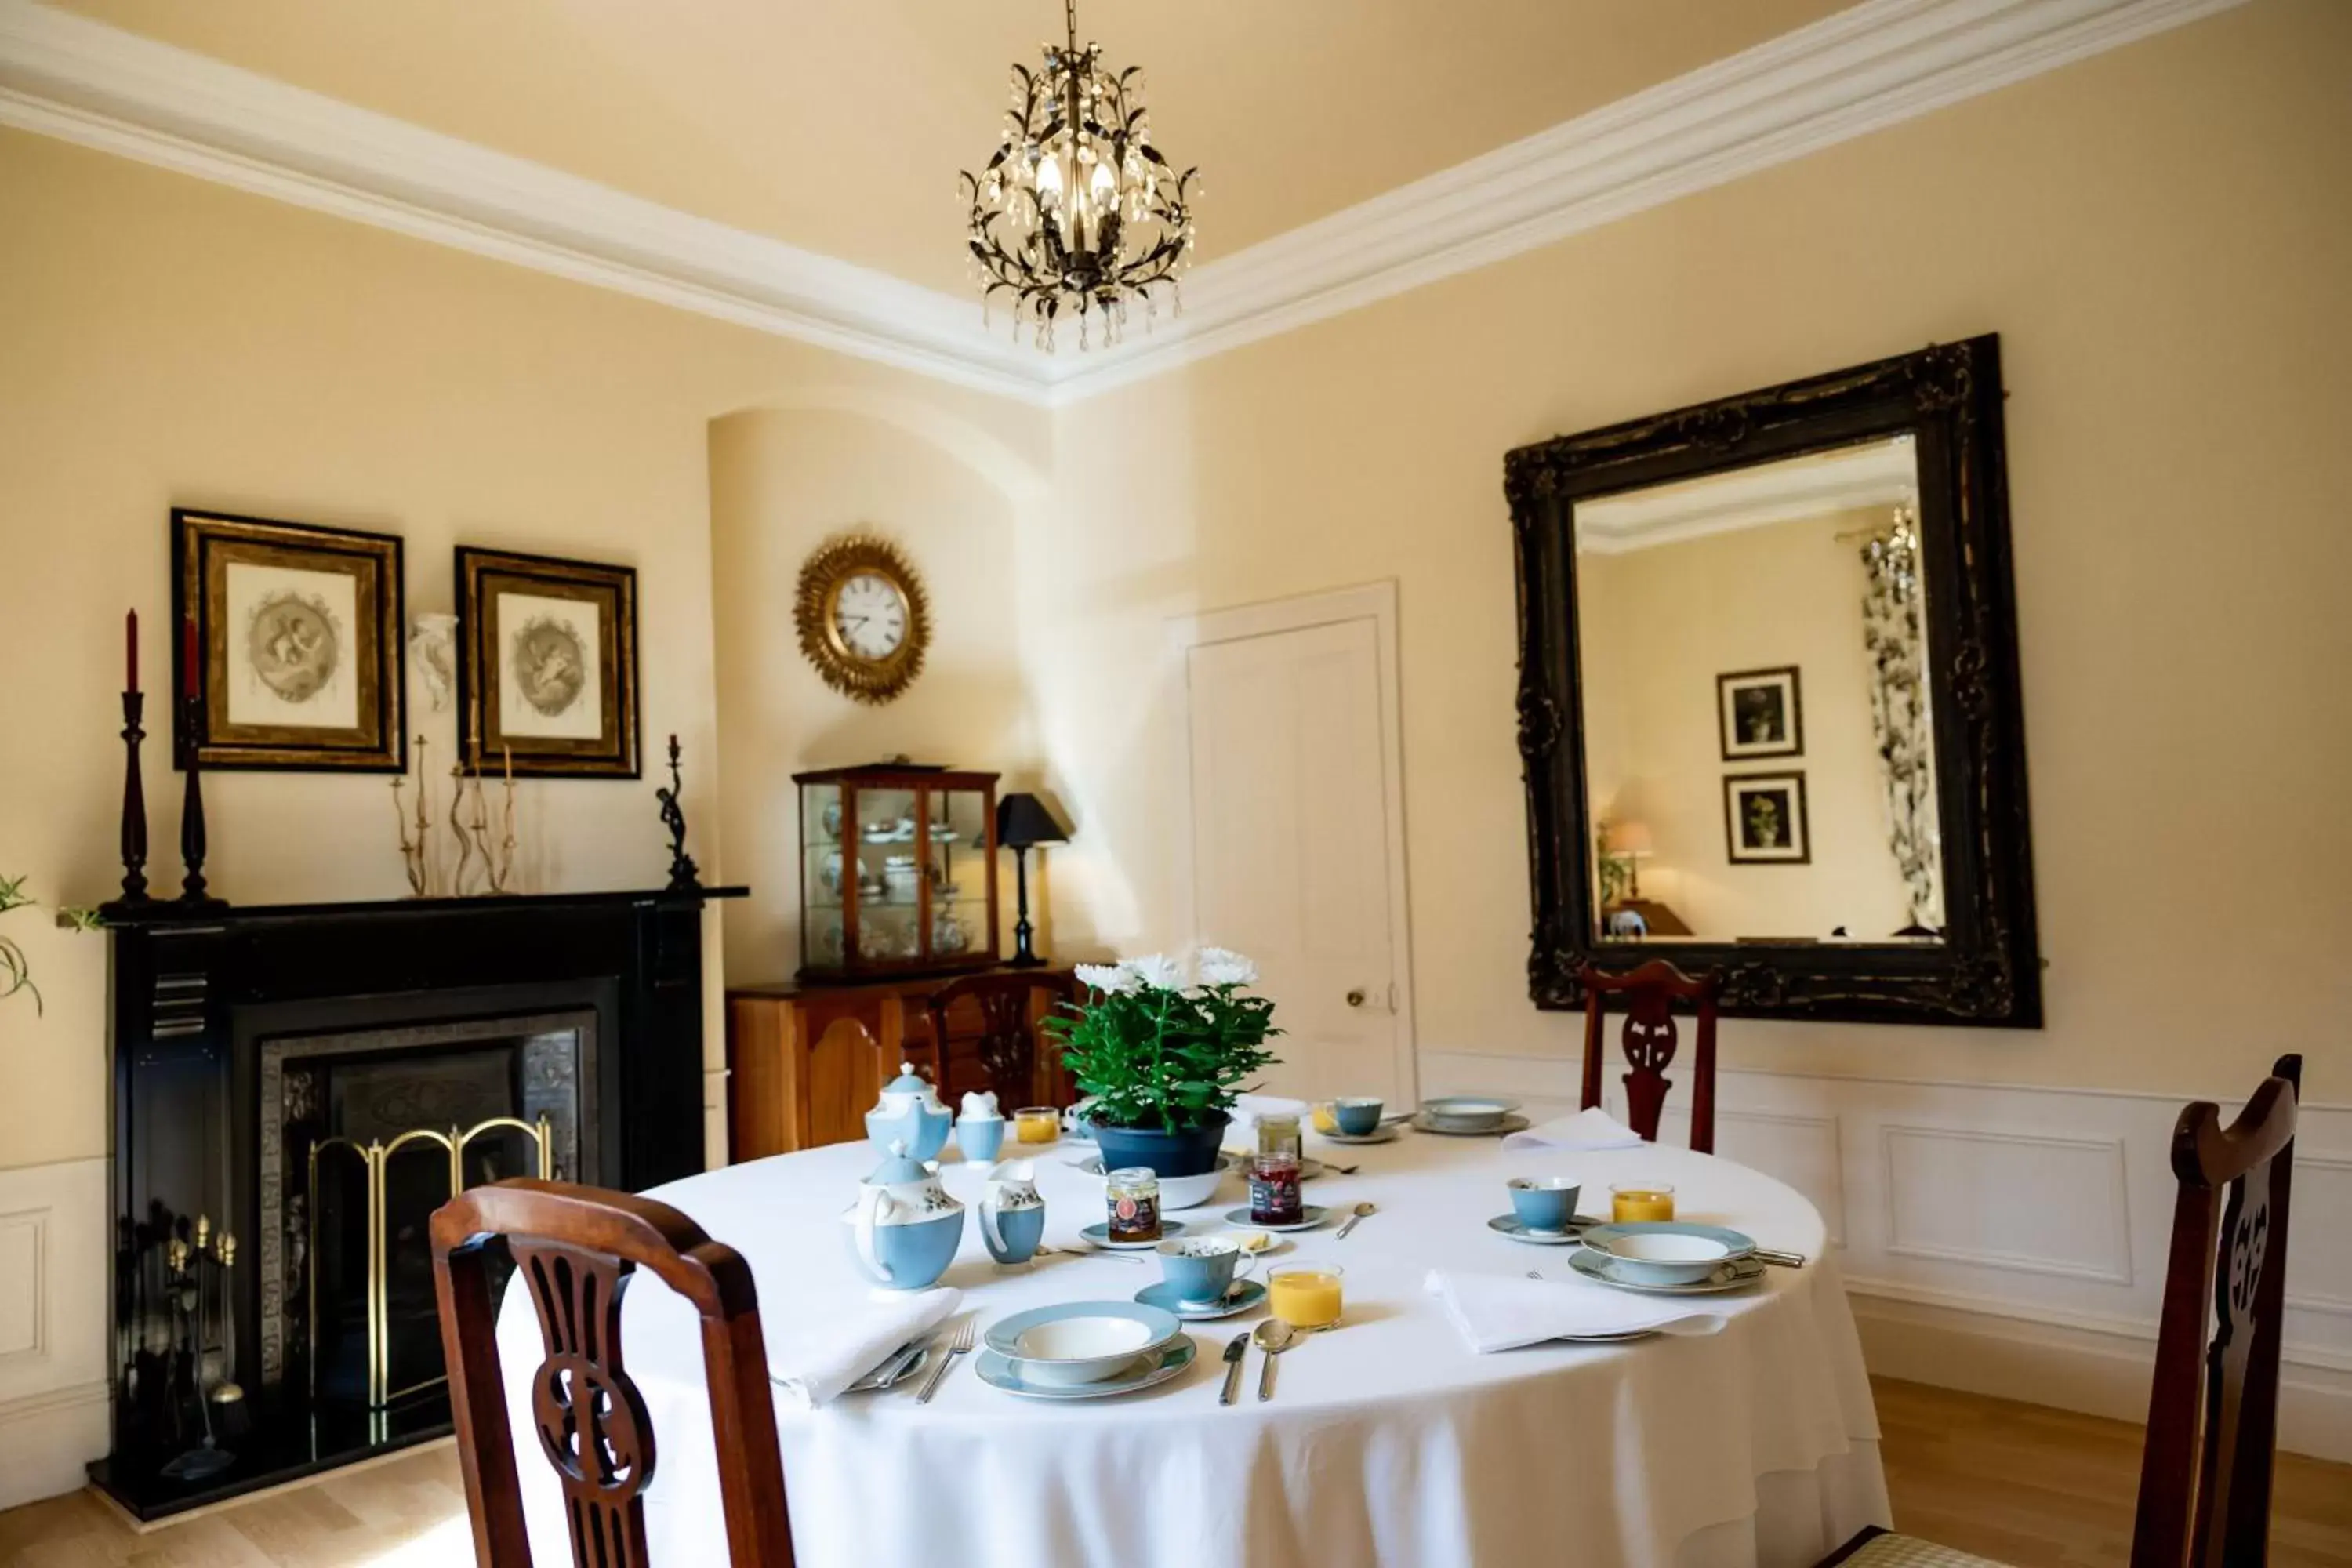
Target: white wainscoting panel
[
  {"x": 2023, "y": 1201},
  {"x": 52, "y": 1327},
  {"x": 2006, "y": 1239}
]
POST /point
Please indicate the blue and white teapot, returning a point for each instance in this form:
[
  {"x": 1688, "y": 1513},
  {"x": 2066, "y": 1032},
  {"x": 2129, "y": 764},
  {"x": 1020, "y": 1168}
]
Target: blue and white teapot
[
  {"x": 905, "y": 1228},
  {"x": 909, "y": 1112}
]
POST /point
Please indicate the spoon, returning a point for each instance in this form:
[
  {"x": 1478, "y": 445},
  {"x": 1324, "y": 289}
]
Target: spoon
[
  {"x": 1362, "y": 1210},
  {"x": 1272, "y": 1337}
]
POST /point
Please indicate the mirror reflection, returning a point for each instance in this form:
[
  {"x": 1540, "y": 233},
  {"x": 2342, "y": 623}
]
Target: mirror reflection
[{"x": 1758, "y": 752}]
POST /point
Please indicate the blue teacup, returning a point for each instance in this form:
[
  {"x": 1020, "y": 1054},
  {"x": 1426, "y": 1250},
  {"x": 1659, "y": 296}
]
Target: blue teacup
[
  {"x": 1544, "y": 1203},
  {"x": 1200, "y": 1269},
  {"x": 979, "y": 1137},
  {"x": 1358, "y": 1117}
]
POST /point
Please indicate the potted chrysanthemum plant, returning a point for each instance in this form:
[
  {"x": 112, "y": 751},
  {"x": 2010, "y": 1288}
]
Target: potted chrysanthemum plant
[{"x": 1161, "y": 1058}]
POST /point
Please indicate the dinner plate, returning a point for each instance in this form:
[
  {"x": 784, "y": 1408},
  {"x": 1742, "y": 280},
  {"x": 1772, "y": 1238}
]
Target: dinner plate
[
  {"x": 1622, "y": 1242},
  {"x": 1508, "y": 1224},
  {"x": 1599, "y": 1266},
  {"x": 1159, "y": 1366},
  {"x": 1496, "y": 1129},
  {"x": 1309, "y": 1217},
  {"x": 1385, "y": 1134},
  {"x": 1099, "y": 1234},
  {"x": 1245, "y": 1295}
]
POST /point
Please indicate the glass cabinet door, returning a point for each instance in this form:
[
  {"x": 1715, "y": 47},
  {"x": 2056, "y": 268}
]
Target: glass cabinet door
[
  {"x": 890, "y": 876},
  {"x": 824, "y": 869},
  {"x": 956, "y": 871}
]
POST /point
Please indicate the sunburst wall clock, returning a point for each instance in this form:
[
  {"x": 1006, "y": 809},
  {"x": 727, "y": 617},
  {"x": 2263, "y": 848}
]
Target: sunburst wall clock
[{"x": 862, "y": 618}]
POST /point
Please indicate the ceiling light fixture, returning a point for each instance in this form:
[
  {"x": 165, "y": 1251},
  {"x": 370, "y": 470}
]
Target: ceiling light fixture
[{"x": 1078, "y": 213}]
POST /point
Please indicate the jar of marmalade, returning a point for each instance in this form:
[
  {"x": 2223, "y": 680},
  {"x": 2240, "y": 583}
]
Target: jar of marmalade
[
  {"x": 1134, "y": 1197},
  {"x": 1274, "y": 1174}
]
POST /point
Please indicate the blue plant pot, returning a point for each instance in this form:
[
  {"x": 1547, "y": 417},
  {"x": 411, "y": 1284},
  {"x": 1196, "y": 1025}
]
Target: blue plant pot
[{"x": 1192, "y": 1153}]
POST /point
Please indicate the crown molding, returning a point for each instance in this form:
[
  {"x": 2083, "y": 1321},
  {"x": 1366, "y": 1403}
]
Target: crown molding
[
  {"x": 1874, "y": 65},
  {"x": 1860, "y": 70},
  {"x": 1883, "y": 473}
]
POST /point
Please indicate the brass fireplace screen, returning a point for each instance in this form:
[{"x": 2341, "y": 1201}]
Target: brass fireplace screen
[{"x": 374, "y": 1157}]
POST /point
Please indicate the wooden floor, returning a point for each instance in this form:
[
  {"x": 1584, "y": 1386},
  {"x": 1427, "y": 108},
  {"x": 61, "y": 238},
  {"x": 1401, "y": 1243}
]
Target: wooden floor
[{"x": 2036, "y": 1488}]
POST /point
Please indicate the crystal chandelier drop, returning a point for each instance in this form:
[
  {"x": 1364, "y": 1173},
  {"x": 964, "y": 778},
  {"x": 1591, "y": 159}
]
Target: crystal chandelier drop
[{"x": 1077, "y": 211}]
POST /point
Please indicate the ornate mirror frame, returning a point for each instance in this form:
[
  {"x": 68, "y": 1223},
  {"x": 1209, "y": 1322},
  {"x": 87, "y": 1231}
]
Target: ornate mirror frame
[{"x": 1987, "y": 971}]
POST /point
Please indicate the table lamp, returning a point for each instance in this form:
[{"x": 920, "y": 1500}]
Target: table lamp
[
  {"x": 1630, "y": 842},
  {"x": 1023, "y": 822}
]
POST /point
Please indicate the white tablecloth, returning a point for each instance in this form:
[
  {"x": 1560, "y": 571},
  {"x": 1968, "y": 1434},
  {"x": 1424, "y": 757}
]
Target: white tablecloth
[{"x": 1388, "y": 1441}]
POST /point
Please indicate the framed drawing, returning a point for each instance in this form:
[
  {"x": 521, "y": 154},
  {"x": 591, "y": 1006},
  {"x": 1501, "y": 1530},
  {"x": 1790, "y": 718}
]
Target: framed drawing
[
  {"x": 547, "y": 665},
  {"x": 1760, "y": 713},
  {"x": 290, "y": 652},
  {"x": 1764, "y": 819}
]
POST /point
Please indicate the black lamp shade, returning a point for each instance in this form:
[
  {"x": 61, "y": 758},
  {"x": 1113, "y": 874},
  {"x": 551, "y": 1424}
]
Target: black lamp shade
[{"x": 1022, "y": 820}]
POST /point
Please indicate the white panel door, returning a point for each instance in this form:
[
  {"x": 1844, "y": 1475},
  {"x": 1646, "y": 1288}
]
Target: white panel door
[{"x": 1291, "y": 845}]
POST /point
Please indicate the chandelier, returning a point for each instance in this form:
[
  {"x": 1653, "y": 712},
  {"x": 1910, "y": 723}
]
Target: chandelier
[{"x": 1078, "y": 213}]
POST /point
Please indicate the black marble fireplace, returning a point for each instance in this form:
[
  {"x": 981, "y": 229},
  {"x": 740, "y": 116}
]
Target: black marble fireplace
[{"x": 297, "y": 1089}]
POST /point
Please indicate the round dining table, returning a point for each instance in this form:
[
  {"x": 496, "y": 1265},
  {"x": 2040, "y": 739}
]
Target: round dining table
[{"x": 1388, "y": 1440}]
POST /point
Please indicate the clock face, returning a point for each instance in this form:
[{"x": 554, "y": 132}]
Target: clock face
[{"x": 869, "y": 617}]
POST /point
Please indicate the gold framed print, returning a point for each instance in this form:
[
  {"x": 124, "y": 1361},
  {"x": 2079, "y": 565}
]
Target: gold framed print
[
  {"x": 547, "y": 665},
  {"x": 287, "y": 655}
]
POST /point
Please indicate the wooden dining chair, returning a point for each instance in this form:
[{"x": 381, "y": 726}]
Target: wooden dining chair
[
  {"x": 1012, "y": 1054},
  {"x": 1649, "y": 1040},
  {"x": 575, "y": 1248},
  {"x": 2212, "y": 1414}
]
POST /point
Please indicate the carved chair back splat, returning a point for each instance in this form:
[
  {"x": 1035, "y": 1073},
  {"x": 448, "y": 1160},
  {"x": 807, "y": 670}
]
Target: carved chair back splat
[
  {"x": 1650, "y": 1038},
  {"x": 1009, "y": 1043},
  {"x": 2212, "y": 1418},
  {"x": 575, "y": 1249}
]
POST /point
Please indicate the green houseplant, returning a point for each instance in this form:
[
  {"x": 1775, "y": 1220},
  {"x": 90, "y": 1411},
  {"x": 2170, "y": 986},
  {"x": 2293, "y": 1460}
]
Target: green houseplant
[
  {"x": 15, "y": 969},
  {"x": 1162, "y": 1058}
]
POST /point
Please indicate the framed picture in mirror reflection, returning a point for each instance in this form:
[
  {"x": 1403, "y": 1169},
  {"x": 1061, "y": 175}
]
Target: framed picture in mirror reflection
[
  {"x": 1764, "y": 819},
  {"x": 1760, "y": 713}
]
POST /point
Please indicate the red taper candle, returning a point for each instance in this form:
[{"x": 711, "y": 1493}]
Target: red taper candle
[{"x": 130, "y": 652}]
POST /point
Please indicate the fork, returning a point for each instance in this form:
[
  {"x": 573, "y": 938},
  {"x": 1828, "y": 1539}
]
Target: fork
[{"x": 961, "y": 1344}]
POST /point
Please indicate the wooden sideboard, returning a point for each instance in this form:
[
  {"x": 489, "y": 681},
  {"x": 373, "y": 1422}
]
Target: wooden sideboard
[{"x": 805, "y": 1060}]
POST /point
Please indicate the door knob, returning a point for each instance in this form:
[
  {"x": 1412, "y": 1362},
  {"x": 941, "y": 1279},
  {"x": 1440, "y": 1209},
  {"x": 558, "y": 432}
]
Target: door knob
[{"x": 1356, "y": 997}]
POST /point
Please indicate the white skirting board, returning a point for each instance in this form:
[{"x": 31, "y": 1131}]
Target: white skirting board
[
  {"x": 54, "y": 1232},
  {"x": 2005, "y": 1239}
]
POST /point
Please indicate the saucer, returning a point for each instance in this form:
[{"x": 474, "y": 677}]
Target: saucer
[
  {"x": 1508, "y": 1224},
  {"x": 1245, "y": 1295},
  {"x": 1422, "y": 1124},
  {"x": 1600, "y": 1268},
  {"x": 1309, "y": 1217},
  {"x": 1099, "y": 1234},
  {"x": 1381, "y": 1134},
  {"x": 1157, "y": 1366}
]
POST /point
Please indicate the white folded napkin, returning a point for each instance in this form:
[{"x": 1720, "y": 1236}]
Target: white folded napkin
[
  {"x": 1590, "y": 1128},
  {"x": 1496, "y": 1312},
  {"x": 812, "y": 1358}
]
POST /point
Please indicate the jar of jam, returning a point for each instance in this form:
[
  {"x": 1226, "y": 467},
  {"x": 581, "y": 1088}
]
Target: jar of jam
[
  {"x": 1134, "y": 1197},
  {"x": 1274, "y": 1172}
]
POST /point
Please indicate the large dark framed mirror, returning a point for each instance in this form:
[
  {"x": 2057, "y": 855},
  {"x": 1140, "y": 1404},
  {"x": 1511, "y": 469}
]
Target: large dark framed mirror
[{"x": 1769, "y": 698}]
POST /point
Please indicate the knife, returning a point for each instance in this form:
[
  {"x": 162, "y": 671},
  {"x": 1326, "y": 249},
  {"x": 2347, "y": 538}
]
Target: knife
[{"x": 1234, "y": 1349}]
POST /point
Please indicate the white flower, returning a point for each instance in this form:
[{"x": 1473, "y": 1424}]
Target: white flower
[
  {"x": 1222, "y": 966},
  {"x": 1111, "y": 979},
  {"x": 1156, "y": 970}
]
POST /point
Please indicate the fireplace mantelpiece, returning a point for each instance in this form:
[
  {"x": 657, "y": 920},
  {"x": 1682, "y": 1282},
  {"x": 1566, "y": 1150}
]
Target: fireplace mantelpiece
[{"x": 196, "y": 999}]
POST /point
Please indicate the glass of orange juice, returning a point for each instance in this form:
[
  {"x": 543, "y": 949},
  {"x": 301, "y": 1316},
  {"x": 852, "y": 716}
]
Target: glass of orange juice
[
  {"x": 1037, "y": 1124},
  {"x": 1641, "y": 1201},
  {"x": 1305, "y": 1295},
  {"x": 1325, "y": 1118}
]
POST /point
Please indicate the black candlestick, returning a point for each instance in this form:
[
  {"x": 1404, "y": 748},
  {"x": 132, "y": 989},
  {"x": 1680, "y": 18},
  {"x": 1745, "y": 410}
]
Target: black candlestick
[
  {"x": 684, "y": 875},
  {"x": 134, "y": 897},
  {"x": 192, "y": 816}
]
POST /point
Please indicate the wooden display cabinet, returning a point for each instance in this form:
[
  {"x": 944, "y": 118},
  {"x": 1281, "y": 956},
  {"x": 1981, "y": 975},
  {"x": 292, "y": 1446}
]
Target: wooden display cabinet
[{"x": 898, "y": 872}]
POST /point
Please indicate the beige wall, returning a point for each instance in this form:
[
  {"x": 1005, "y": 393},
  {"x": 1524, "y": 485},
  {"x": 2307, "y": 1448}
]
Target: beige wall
[
  {"x": 780, "y": 481},
  {"x": 2161, "y": 235},
  {"x": 165, "y": 343},
  {"x": 1667, "y": 620}
]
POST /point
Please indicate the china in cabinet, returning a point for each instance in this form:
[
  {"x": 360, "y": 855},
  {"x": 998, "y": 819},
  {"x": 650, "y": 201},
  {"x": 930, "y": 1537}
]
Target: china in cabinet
[{"x": 898, "y": 871}]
